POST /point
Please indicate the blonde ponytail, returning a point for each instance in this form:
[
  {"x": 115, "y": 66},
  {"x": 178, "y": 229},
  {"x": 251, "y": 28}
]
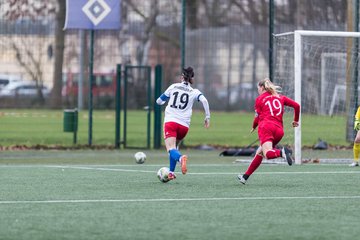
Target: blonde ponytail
[{"x": 269, "y": 86}]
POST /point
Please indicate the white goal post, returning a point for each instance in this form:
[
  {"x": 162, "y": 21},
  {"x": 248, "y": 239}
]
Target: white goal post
[{"x": 298, "y": 37}]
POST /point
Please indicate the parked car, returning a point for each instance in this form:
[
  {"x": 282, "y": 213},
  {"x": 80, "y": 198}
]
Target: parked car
[
  {"x": 5, "y": 79},
  {"x": 22, "y": 88}
]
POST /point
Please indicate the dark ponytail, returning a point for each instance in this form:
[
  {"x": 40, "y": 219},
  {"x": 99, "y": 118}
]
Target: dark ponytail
[{"x": 188, "y": 74}]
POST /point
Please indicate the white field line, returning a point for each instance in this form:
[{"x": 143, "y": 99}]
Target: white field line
[
  {"x": 208, "y": 173},
  {"x": 105, "y": 169},
  {"x": 175, "y": 200},
  {"x": 234, "y": 164},
  {"x": 189, "y": 173},
  {"x": 115, "y": 165}
]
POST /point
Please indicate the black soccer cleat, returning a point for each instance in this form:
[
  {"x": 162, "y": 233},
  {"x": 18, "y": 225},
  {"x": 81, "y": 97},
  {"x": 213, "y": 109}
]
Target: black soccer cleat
[{"x": 286, "y": 154}]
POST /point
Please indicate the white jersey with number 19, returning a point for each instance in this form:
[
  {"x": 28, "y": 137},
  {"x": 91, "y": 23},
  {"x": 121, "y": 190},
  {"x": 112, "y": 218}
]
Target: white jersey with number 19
[{"x": 181, "y": 99}]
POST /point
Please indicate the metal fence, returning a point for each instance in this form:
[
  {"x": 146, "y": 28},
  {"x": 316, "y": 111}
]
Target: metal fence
[{"x": 227, "y": 43}]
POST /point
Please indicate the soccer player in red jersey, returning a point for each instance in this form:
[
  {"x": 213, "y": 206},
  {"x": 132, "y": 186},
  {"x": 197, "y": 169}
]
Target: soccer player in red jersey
[{"x": 269, "y": 110}]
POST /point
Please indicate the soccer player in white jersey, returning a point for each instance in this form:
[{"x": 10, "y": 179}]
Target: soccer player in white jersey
[{"x": 180, "y": 97}]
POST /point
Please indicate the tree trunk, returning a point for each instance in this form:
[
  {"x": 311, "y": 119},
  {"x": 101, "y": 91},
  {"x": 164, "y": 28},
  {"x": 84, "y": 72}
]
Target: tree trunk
[
  {"x": 191, "y": 10},
  {"x": 56, "y": 101}
]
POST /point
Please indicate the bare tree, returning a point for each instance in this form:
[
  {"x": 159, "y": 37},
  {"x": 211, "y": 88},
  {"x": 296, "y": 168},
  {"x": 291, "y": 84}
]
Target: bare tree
[
  {"x": 148, "y": 16},
  {"x": 149, "y": 20},
  {"x": 59, "y": 55},
  {"x": 192, "y": 13},
  {"x": 217, "y": 12},
  {"x": 32, "y": 9},
  {"x": 309, "y": 13},
  {"x": 31, "y": 62},
  {"x": 30, "y": 51}
]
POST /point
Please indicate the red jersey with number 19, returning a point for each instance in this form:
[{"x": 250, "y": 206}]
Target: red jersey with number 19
[{"x": 269, "y": 109}]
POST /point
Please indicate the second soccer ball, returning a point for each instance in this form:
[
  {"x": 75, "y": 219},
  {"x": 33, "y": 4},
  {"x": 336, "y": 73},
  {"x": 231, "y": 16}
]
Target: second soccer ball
[{"x": 140, "y": 157}]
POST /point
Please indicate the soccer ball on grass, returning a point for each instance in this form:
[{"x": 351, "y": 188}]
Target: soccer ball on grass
[
  {"x": 163, "y": 174},
  {"x": 140, "y": 157}
]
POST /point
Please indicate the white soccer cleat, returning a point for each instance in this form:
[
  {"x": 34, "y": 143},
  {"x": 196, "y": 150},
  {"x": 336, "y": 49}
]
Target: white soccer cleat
[
  {"x": 354, "y": 164},
  {"x": 241, "y": 179}
]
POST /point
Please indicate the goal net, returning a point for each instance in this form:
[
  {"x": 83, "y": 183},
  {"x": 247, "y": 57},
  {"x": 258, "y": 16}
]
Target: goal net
[{"x": 320, "y": 71}]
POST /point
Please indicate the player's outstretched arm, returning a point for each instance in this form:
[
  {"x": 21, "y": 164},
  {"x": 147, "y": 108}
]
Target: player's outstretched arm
[
  {"x": 205, "y": 104},
  {"x": 207, "y": 122},
  {"x": 291, "y": 103}
]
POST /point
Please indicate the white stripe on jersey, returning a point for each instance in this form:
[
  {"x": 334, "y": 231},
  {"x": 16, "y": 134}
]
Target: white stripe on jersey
[{"x": 181, "y": 100}]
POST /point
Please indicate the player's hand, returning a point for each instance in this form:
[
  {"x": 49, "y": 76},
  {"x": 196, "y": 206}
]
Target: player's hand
[
  {"x": 252, "y": 130},
  {"x": 357, "y": 125},
  {"x": 207, "y": 122},
  {"x": 295, "y": 124}
]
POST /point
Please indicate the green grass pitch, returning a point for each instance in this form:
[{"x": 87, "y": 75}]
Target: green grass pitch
[
  {"x": 106, "y": 195},
  {"x": 45, "y": 127}
]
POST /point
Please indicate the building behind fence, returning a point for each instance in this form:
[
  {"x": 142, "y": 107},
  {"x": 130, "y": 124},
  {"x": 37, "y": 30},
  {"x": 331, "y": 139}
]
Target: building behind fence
[{"x": 228, "y": 49}]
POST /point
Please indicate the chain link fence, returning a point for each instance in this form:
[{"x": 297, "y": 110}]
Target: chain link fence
[{"x": 226, "y": 42}]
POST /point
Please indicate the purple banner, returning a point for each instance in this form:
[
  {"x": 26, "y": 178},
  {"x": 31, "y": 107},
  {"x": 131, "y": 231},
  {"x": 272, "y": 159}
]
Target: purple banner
[{"x": 92, "y": 14}]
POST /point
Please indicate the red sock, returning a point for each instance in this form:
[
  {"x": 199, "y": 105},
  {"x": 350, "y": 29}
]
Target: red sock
[
  {"x": 273, "y": 153},
  {"x": 255, "y": 163}
]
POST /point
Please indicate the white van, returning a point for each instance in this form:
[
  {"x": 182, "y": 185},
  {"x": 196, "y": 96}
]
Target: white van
[{"x": 5, "y": 79}]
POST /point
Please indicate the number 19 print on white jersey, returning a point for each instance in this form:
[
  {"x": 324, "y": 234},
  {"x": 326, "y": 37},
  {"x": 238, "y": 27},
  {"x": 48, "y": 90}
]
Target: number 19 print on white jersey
[{"x": 181, "y": 99}]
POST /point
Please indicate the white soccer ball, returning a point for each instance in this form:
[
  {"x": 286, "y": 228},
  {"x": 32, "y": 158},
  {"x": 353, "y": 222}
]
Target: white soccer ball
[
  {"x": 140, "y": 157},
  {"x": 163, "y": 174}
]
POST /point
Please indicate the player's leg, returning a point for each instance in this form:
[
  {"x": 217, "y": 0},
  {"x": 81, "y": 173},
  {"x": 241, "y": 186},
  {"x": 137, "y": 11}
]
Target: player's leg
[
  {"x": 264, "y": 134},
  {"x": 269, "y": 136},
  {"x": 255, "y": 163},
  {"x": 356, "y": 150},
  {"x": 170, "y": 134},
  {"x": 284, "y": 152},
  {"x": 182, "y": 158},
  {"x": 269, "y": 151},
  {"x": 181, "y": 133},
  {"x": 170, "y": 144},
  {"x": 178, "y": 144},
  {"x": 174, "y": 133},
  {"x": 268, "y": 147}
]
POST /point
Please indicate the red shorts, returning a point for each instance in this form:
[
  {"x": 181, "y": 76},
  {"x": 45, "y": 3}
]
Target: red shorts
[
  {"x": 173, "y": 129},
  {"x": 270, "y": 133}
]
